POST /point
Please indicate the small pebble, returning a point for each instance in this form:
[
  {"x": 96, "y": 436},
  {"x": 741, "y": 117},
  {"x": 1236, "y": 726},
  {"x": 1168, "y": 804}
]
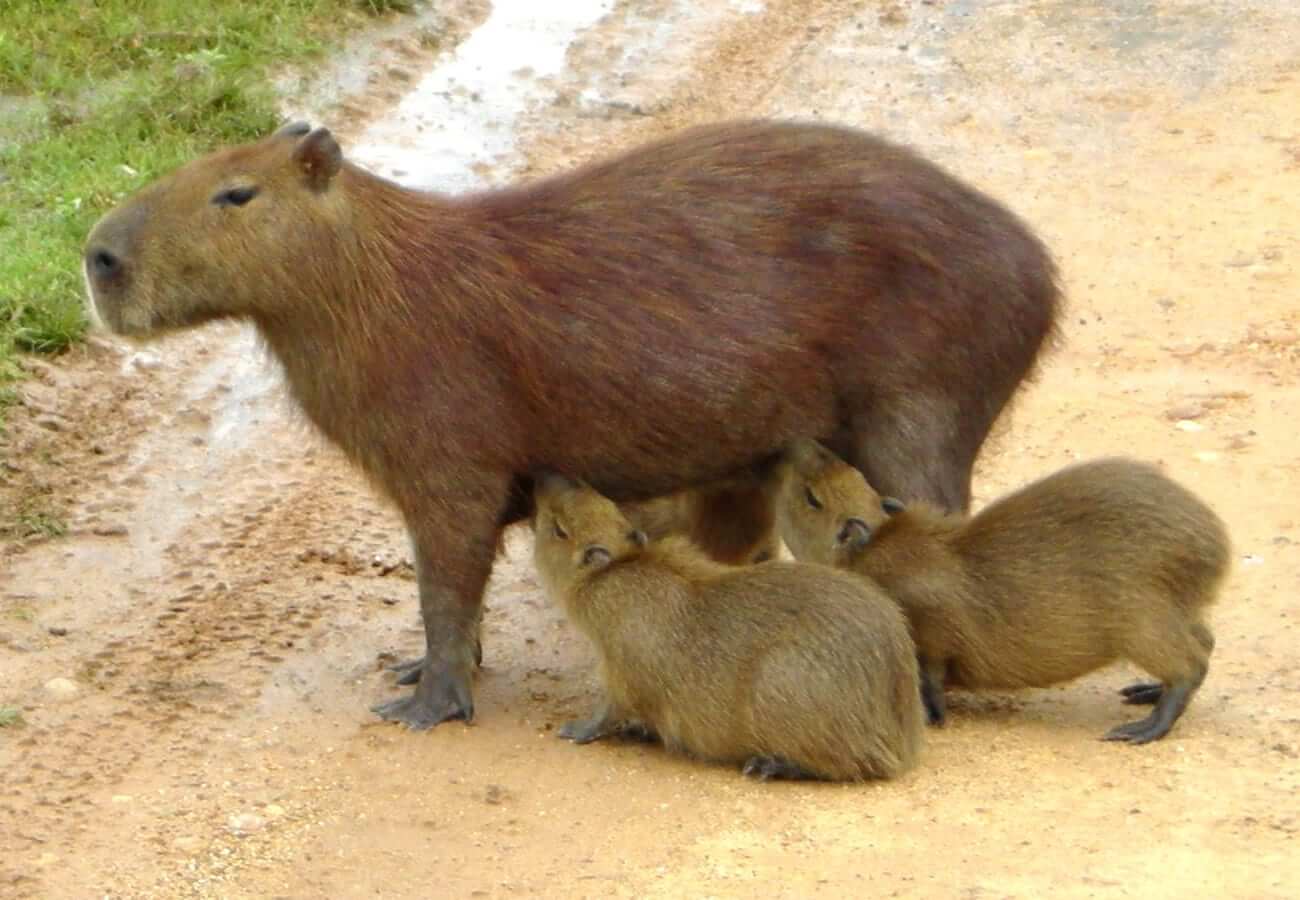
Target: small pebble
[
  {"x": 245, "y": 823},
  {"x": 58, "y": 631},
  {"x": 61, "y": 688}
]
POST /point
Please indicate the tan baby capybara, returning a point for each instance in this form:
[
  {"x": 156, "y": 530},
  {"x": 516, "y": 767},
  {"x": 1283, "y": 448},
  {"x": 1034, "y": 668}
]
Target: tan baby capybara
[
  {"x": 657, "y": 320},
  {"x": 1101, "y": 561},
  {"x": 732, "y": 521},
  {"x": 788, "y": 670}
]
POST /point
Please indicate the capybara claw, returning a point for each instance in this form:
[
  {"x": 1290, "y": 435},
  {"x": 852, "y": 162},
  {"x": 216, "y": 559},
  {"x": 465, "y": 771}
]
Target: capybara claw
[
  {"x": 1142, "y": 693},
  {"x": 408, "y": 670}
]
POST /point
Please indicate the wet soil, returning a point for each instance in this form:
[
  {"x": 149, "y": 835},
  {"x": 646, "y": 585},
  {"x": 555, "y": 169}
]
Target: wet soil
[{"x": 194, "y": 660}]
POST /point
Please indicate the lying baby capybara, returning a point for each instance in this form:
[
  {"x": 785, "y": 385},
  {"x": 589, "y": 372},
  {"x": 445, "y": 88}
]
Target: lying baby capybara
[
  {"x": 786, "y": 669},
  {"x": 1101, "y": 561},
  {"x": 651, "y": 322}
]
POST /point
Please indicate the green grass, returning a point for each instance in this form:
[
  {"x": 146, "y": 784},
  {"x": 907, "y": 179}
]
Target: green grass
[
  {"x": 10, "y": 715},
  {"x": 98, "y": 97}
]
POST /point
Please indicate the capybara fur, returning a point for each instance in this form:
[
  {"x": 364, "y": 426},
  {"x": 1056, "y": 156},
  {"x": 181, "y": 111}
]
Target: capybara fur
[
  {"x": 782, "y": 668},
  {"x": 654, "y": 321},
  {"x": 732, "y": 521},
  {"x": 1101, "y": 561}
]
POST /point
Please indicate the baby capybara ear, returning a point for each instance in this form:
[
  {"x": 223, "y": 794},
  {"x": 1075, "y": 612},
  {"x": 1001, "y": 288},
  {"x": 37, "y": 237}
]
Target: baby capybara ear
[
  {"x": 319, "y": 157},
  {"x": 807, "y": 455}
]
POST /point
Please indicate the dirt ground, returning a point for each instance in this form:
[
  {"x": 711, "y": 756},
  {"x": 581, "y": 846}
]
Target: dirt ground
[{"x": 195, "y": 659}]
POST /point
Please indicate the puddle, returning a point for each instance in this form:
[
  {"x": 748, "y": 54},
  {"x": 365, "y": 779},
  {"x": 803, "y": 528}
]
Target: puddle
[{"x": 460, "y": 117}]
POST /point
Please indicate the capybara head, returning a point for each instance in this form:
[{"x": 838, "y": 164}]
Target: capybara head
[
  {"x": 825, "y": 509},
  {"x": 577, "y": 532},
  {"x": 194, "y": 245}
]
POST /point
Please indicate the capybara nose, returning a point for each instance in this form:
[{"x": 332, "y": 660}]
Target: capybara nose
[{"x": 103, "y": 264}]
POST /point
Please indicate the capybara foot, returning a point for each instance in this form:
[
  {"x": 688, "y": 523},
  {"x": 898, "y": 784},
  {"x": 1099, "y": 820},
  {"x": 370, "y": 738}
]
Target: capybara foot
[
  {"x": 1143, "y": 731},
  {"x": 584, "y": 731},
  {"x": 439, "y": 697},
  {"x": 1142, "y": 693},
  {"x": 638, "y": 731},
  {"x": 765, "y": 768}
]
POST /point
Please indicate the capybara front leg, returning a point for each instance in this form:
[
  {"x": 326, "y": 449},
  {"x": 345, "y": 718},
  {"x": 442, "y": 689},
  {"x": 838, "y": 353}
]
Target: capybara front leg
[
  {"x": 408, "y": 670},
  {"x": 767, "y": 768},
  {"x": 605, "y": 721},
  {"x": 933, "y": 675},
  {"x": 451, "y": 581}
]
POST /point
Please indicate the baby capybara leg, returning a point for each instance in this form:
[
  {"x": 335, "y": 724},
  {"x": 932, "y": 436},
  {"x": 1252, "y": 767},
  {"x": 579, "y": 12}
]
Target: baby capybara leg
[
  {"x": 451, "y": 572},
  {"x": 1146, "y": 693},
  {"x": 933, "y": 675},
  {"x": 914, "y": 451},
  {"x": 1179, "y": 654}
]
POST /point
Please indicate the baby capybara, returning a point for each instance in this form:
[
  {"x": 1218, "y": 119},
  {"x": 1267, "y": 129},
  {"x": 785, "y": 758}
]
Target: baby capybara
[
  {"x": 732, "y": 521},
  {"x": 1101, "y": 561},
  {"x": 786, "y": 669},
  {"x": 658, "y": 320}
]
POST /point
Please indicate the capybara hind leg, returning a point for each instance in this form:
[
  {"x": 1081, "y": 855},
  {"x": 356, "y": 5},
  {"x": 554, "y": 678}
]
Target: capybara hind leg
[
  {"x": 1180, "y": 658},
  {"x": 1171, "y": 705},
  {"x": 933, "y": 675},
  {"x": 451, "y": 595},
  {"x": 766, "y": 768},
  {"x": 915, "y": 454},
  {"x": 1142, "y": 693}
]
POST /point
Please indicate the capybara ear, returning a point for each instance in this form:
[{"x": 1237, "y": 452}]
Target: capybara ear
[
  {"x": 319, "y": 157},
  {"x": 638, "y": 537},
  {"x": 292, "y": 129},
  {"x": 596, "y": 557},
  {"x": 806, "y": 454},
  {"x": 854, "y": 534},
  {"x": 892, "y": 505}
]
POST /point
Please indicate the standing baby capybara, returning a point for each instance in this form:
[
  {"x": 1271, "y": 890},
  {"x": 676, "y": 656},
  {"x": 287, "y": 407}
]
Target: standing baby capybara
[
  {"x": 1100, "y": 561},
  {"x": 658, "y": 320},
  {"x": 786, "y": 669}
]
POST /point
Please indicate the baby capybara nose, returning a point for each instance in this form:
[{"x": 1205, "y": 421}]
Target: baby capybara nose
[{"x": 103, "y": 264}]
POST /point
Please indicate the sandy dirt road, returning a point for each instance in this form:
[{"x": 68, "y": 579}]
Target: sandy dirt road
[{"x": 194, "y": 662}]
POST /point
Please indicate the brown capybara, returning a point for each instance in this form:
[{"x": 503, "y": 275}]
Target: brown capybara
[
  {"x": 1101, "y": 561},
  {"x": 789, "y": 670},
  {"x": 732, "y": 521},
  {"x": 657, "y": 320}
]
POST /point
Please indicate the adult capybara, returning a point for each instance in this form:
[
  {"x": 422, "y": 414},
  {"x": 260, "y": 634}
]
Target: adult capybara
[
  {"x": 655, "y": 321},
  {"x": 789, "y": 670},
  {"x": 1100, "y": 561}
]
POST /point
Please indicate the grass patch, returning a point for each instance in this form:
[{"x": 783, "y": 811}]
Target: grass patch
[
  {"x": 10, "y": 716},
  {"x": 98, "y": 97}
]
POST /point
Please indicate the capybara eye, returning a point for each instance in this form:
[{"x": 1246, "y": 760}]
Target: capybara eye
[
  {"x": 235, "y": 196},
  {"x": 812, "y": 498},
  {"x": 891, "y": 505},
  {"x": 560, "y": 532}
]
